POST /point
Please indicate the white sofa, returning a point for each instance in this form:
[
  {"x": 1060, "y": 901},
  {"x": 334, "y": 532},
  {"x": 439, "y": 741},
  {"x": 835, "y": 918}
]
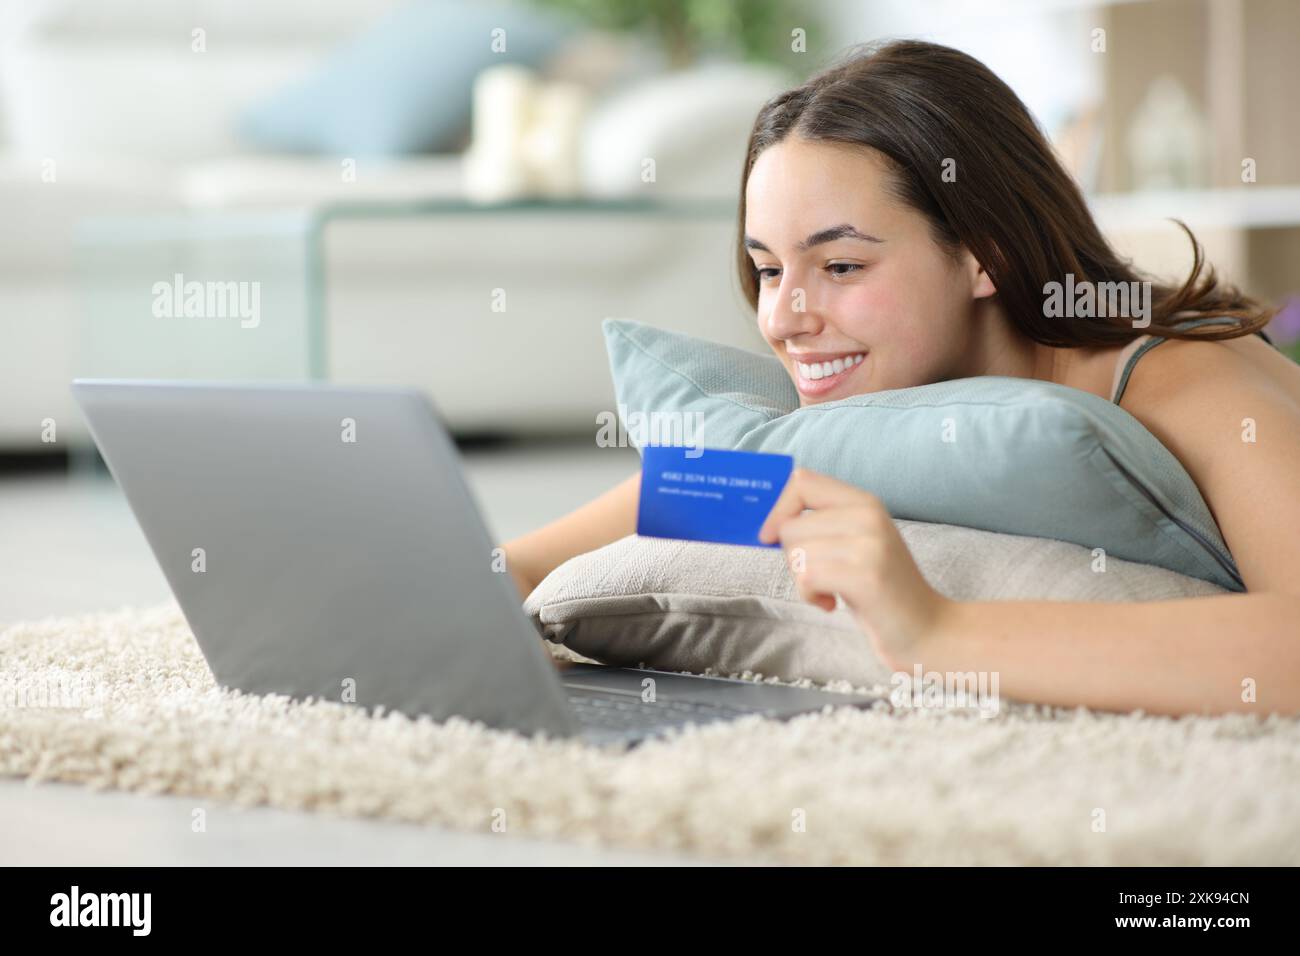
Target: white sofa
[{"x": 132, "y": 124}]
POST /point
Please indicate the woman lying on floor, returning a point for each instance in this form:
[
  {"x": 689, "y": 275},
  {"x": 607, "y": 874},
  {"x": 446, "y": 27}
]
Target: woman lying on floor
[{"x": 904, "y": 222}]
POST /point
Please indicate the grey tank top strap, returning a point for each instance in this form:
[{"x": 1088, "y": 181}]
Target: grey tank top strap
[{"x": 1135, "y": 351}]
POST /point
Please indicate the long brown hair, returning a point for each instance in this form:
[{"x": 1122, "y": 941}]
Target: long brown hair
[{"x": 1012, "y": 204}]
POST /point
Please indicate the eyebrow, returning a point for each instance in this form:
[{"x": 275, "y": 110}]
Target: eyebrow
[{"x": 842, "y": 231}]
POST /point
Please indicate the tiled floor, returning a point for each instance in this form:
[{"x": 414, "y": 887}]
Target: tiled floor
[{"x": 70, "y": 545}]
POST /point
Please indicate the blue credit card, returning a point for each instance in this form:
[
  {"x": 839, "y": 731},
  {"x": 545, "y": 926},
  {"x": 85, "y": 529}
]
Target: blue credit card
[{"x": 709, "y": 494}]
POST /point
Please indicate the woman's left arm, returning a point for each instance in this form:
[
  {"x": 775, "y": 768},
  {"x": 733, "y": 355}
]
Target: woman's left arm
[{"x": 1231, "y": 652}]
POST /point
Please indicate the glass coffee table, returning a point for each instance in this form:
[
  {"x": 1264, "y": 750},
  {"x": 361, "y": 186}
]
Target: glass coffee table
[{"x": 247, "y": 294}]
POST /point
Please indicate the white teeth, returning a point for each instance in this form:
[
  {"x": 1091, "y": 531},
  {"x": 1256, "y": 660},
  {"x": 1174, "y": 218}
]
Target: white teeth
[{"x": 827, "y": 369}]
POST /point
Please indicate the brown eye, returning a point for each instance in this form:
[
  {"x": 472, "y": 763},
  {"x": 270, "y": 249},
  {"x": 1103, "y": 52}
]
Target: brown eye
[
  {"x": 848, "y": 267},
  {"x": 767, "y": 272}
]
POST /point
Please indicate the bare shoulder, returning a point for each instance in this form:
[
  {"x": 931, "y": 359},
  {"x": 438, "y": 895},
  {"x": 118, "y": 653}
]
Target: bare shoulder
[
  {"x": 1230, "y": 413},
  {"x": 1207, "y": 384}
]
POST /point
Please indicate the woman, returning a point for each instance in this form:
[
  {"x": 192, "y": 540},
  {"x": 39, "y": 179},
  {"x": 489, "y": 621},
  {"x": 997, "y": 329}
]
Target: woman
[{"x": 904, "y": 207}]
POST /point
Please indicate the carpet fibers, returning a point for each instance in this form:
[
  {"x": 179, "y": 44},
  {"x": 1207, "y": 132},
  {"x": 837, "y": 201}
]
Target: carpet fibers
[{"x": 123, "y": 700}]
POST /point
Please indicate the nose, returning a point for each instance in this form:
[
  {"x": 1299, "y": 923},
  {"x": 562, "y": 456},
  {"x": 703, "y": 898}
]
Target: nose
[{"x": 792, "y": 312}]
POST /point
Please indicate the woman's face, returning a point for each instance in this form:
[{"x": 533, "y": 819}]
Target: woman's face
[{"x": 850, "y": 276}]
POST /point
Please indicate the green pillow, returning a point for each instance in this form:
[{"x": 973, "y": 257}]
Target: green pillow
[{"x": 1014, "y": 455}]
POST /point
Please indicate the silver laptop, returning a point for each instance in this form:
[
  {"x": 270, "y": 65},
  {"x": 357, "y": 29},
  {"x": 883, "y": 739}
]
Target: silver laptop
[{"x": 322, "y": 542}]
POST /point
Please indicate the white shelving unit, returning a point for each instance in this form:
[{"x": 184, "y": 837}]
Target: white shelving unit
[{"x": 1247, "y": 207}]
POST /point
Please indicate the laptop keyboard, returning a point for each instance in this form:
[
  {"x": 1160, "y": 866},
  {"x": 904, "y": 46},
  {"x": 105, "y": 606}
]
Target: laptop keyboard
[{"x": 630, "y": 712}]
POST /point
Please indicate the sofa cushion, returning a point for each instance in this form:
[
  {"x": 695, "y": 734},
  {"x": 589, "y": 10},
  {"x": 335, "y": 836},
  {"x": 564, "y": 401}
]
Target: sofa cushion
[
  {"x": 403, "y": 86},
  {"x": 692, "y": 606}
]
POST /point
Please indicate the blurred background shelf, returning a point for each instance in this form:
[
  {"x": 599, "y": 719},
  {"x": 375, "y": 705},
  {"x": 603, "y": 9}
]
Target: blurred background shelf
[
  {"x": 1243, "y": 207},
  {"x": 142, "y": 140},
  {"x": 1251, "y": 234}
]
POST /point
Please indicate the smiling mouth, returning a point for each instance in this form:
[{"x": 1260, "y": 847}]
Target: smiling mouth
[
  {"x": 817, "y": 378},
  {"x": 820, "y": 370}
]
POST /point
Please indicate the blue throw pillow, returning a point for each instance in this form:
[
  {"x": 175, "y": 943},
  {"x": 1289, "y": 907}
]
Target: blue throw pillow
[
  {"x": 1015, "y": 455},
  {"x": 404, "y": 86}
]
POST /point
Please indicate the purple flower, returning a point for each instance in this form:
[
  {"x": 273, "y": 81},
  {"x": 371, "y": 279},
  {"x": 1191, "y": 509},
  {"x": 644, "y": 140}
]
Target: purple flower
[{"x": 1285, "y": 327}]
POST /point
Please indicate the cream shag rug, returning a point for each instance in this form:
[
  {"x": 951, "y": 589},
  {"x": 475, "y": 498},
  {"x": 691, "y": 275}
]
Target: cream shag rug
[{"x": 137, "y": 710}]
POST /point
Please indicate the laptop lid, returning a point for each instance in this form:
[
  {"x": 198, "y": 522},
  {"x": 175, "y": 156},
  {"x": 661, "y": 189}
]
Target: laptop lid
[{"x": 322, "y": 542}]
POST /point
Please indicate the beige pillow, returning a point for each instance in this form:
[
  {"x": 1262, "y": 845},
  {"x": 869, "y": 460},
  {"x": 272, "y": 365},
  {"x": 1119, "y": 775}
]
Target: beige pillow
[{"x": 691, "y": 606}]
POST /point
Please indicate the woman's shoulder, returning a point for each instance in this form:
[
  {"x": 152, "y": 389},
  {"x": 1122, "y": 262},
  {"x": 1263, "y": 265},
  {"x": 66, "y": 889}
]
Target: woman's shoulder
[
  {"x": 1227, "y": 409},
  {"x": 1230, "y": 413},
  {"x": 1194, "y": 372}
]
